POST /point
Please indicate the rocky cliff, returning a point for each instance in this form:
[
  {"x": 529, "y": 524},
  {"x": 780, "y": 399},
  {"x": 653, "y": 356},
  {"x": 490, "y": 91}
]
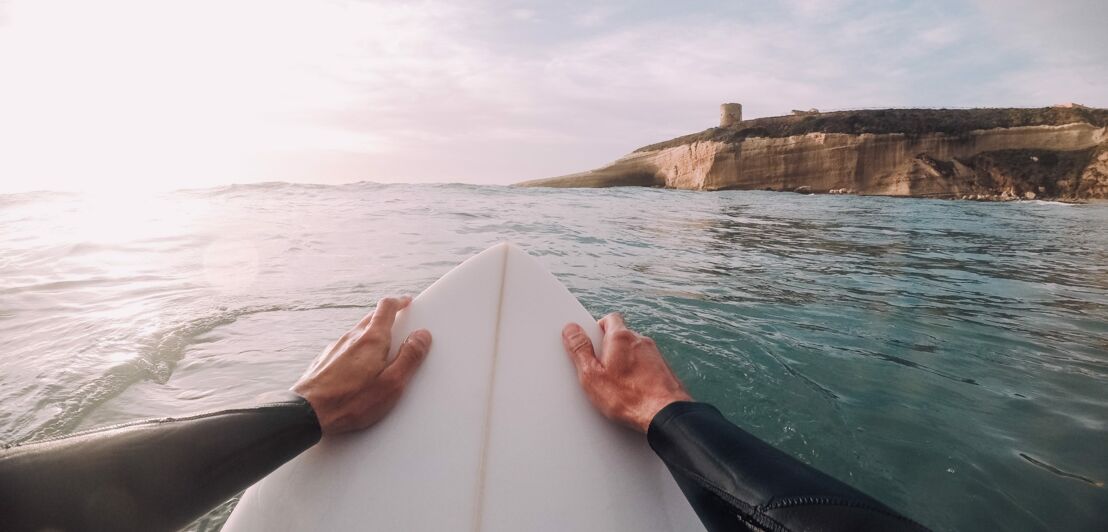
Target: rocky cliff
[{"x": 1058, "y": 153}]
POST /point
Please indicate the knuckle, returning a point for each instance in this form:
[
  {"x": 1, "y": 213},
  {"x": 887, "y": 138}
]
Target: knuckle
[
  {"x": 409, "y": 351},
  {"x": 623, "y": 336},
  {"x": 374, "y": 336},
  {"x": 414, "y": 358},
  {"x": 580, "y": 345},
  {"x": 387, "y": 304},
  {"x": 591, "y": 371},
  {"x": 417, "y": 344},
  {"x": 389, "y": 383}
]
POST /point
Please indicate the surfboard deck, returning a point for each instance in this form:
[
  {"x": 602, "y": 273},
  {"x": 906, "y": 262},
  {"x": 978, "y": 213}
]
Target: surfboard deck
[{"x": 493, "y": 432}]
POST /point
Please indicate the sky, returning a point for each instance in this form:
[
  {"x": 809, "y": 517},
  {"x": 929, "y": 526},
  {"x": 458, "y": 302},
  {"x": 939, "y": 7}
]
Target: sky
[{"x": 152, "y": 94}]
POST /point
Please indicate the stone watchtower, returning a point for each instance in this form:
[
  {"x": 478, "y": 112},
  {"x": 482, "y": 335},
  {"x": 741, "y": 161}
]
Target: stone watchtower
[{"x": 730, "y": 114}]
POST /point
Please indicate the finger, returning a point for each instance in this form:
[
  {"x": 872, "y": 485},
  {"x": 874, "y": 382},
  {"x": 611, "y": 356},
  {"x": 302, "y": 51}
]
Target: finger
[
  {"x": 385, "y": 314},
  {"x": 409, "y": 357},
  {"x": 612, "y": 322},
  {"x": 579, "y": 347}
]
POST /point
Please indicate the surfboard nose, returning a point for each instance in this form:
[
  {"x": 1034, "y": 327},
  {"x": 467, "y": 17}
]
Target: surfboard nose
[{"x": 494, "y": 417}]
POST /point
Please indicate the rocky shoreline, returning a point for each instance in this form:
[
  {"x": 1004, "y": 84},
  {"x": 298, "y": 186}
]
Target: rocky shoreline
[{"x": 1054, "y": 153}]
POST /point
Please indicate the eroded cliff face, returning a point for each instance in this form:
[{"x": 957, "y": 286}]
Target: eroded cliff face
[
  {"x": 1093, "y": 181},
  {"x": 1068, "y": 161}
]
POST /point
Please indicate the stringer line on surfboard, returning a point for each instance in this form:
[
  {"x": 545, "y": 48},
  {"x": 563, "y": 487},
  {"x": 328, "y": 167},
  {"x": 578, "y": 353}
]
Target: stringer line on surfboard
[
  {"x": 493, "y": 432},
  {"x": 479, "y": 505}
]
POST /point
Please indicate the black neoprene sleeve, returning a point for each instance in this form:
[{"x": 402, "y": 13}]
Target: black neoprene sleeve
[
  {"x": 161, "y": 474},
  {"x": 735, "y": 481},
  {"x": 152, "y": 475}
]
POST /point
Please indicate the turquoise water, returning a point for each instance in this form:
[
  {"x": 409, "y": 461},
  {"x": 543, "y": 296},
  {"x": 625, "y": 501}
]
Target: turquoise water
[{"x": 951, "y": 358}]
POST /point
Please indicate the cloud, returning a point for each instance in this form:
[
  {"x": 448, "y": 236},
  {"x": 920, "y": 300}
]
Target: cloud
[
  {"x": 1065, "y": 31},
  {"x": 595, "y": 16},
  {"x": 487, "y": 91},
  {"x": 1060, "y": 51},
  {"x": 814, "y": 8}
]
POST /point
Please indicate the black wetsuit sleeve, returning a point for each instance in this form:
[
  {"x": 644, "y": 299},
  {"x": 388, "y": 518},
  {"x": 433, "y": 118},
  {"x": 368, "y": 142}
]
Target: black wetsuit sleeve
[
  {"x": 735, "y": 481},
  {"x": 151, "y": 475}
]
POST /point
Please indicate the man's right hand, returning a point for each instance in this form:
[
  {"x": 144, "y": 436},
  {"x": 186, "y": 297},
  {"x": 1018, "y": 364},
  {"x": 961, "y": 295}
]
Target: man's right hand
[{"x": 630, "y": 382}]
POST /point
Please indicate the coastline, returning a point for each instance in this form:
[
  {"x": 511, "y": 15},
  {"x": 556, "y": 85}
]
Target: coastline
[{"x": 976, "y": 154}]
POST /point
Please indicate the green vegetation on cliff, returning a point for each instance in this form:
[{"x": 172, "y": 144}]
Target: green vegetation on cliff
[
  {"x": 1053, "y": 152},
  {"x": 910, "y": 122}
]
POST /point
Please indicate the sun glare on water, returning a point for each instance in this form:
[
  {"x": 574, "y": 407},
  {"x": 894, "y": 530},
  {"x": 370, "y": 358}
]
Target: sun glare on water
[{"x": 113, "y": 222}]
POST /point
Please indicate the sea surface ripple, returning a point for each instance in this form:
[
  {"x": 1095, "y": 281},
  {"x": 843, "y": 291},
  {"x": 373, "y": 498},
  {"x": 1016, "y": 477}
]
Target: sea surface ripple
[{"x": 949, "y": 357}]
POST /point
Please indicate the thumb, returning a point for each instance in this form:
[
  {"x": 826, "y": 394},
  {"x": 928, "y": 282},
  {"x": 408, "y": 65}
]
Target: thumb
[
  {"x": 578, "y": 346},
  {"x": 409, "y": 357}
]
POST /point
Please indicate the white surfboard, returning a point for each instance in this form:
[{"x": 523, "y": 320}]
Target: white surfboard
[{"x": 493, "y": 433}]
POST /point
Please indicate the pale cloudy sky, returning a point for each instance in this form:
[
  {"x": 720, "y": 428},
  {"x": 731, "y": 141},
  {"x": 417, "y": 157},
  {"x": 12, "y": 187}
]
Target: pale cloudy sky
[{"x": 173, "y": 94}]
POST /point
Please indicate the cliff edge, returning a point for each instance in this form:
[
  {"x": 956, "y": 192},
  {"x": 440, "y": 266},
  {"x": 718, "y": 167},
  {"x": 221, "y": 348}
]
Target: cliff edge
[{"x": 1046, "y": 153}]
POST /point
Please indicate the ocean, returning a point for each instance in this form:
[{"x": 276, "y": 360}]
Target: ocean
[{"x": 948, "y": 357}]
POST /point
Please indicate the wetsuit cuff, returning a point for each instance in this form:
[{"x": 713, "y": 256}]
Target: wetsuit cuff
[
  {"x": 671, "y": 412},
  {"x": 285, "y": 396},
  {"x": 289, "y": 397}
]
